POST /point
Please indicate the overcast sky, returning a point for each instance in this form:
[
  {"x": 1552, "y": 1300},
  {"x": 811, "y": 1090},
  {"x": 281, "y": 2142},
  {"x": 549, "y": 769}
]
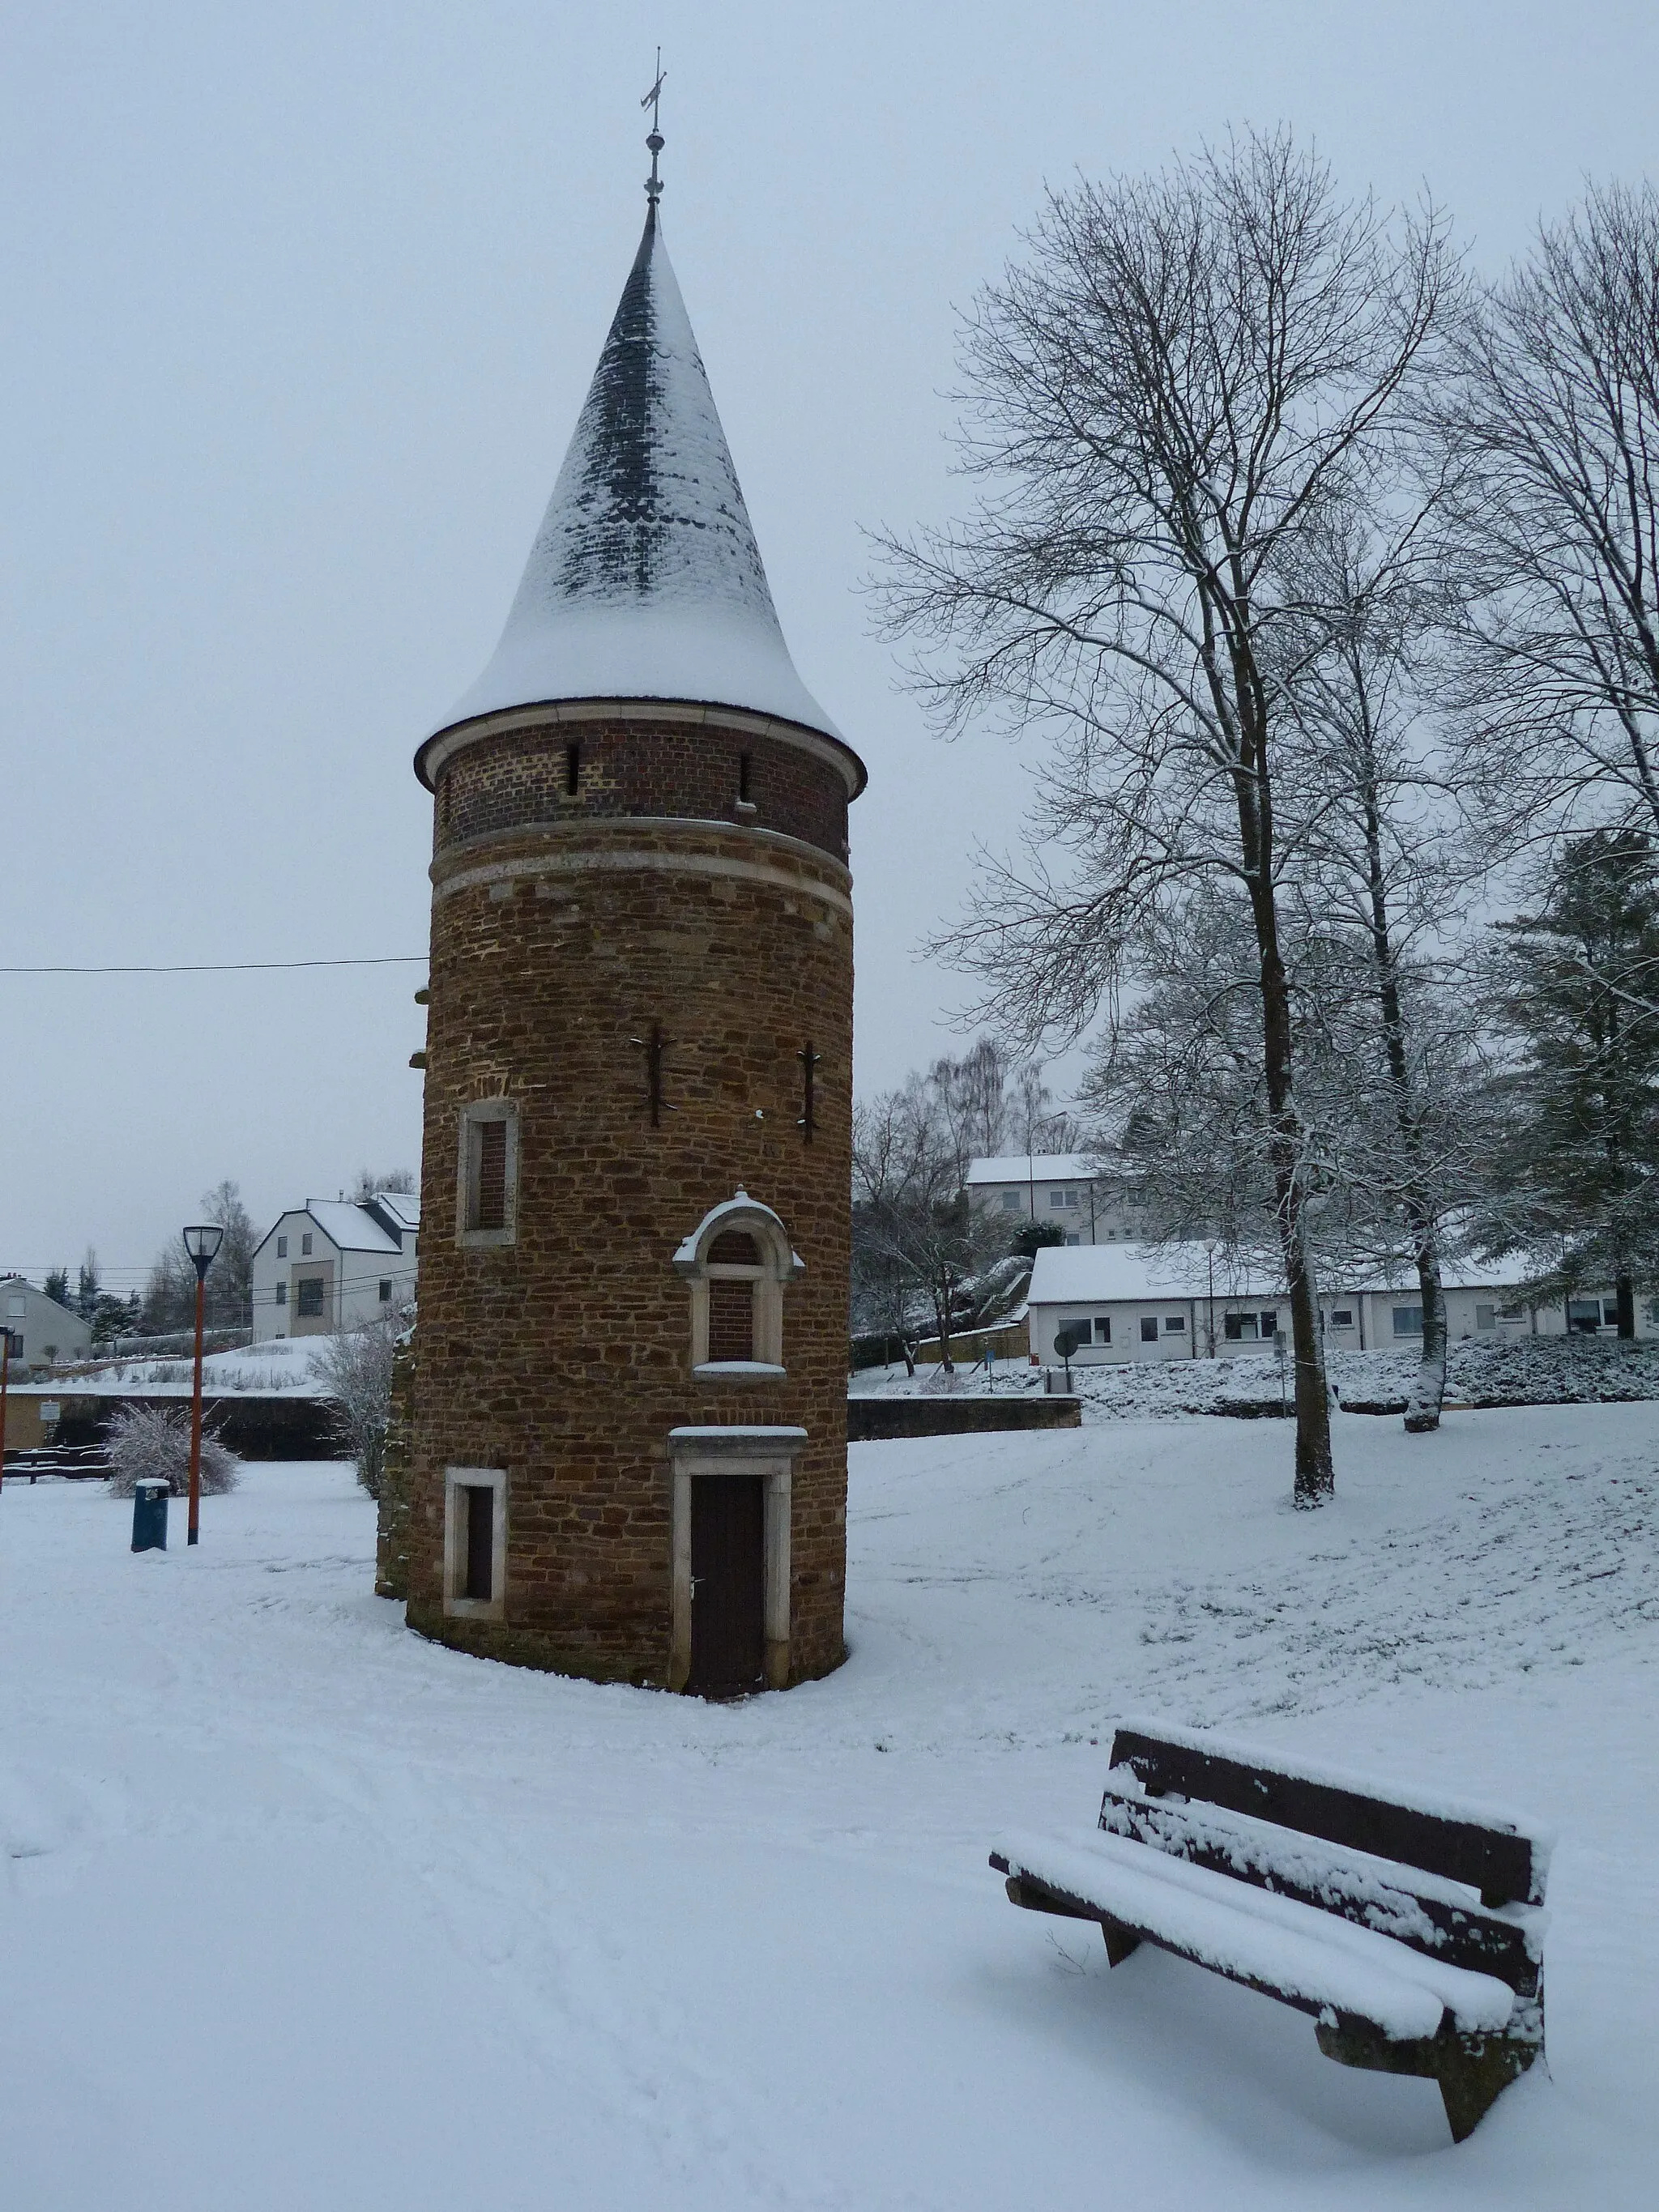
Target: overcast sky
[{"x": 302, "y": 302}]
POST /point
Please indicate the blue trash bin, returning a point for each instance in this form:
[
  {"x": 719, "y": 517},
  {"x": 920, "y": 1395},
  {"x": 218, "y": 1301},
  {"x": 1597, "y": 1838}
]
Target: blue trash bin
[{"x": 149, "y": 1515}]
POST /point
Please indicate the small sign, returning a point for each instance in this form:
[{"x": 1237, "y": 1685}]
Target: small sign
[{"x": 50, "y": 1412}]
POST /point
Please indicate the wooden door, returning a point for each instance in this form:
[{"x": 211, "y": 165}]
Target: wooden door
[{"x": 728, "y": 1601}]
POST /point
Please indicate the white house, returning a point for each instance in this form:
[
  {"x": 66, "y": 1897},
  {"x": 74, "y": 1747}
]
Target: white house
[
  {"x": 1135, "y": 1302},
  {"x": 1058, "y": 1187},
  {"x": 331, "y": 1263},
  {"x": 42, "y": 1331}
]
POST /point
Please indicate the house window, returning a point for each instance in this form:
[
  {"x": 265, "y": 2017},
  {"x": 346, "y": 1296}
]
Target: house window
[
  {"x": 737, "y": 1262},
  {"x": 1486, "y": 1316},
  {"x": 1238, "y": 1327},
  {"x": 1010, "y": 1201},
  {"x": 281, "y": 1294},
  {"x": 573, "y": 770},
  {"x": 1342, "y": 1317},
  {"x": 1149, "y": 1329},
  {"x": 1082, "y": 1333},
  {"x": 1584, "y": 1316},
  {"x": 281, "y": 1248},
  {"x": 1175, "y": 1324},
  {"x": 1072, "y": 1199},
  {"x": 1408, "y": 1320},
  {"x": 475, "y": 1542},
  {"x": 1270, "y": 1323},
  {"x": 305, "y": 1246},
  {"x": 745, "y": 780},
  {"x": 1102, "y": 1328},
  {"x": 1072, "y": 1236},
  {"x": 1057, "y": 1200},
  {"x": 1519, "y": 1313},
  {"x": 309, "y": 1302},
  {"x": 1653, "y": 1311},
  {"x": 16, "y": 1308},
  {"x": 1610, "y": 1312},
  {"x": 385, "y": 1290},
  {"x": 487, "y": 1193}
]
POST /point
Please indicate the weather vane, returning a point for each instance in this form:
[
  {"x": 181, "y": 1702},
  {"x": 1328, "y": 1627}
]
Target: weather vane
[{"x": 653, "y": 182}]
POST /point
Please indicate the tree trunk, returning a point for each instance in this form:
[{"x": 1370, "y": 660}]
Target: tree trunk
[
  {"x": 1428, "y": 1392},
  {"x": 1624, "y": 1291},
  {"x": 1315, "y": 1475}
]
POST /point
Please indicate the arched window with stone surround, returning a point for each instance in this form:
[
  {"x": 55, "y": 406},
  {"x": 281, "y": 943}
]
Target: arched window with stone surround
[{"x": 736, "y": 1263}]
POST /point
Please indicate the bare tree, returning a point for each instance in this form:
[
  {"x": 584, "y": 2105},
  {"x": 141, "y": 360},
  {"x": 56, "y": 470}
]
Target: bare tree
[
  {"x": 230, "y": 1278},
  {"x": 1185, "y": 374},
  {"x": 913, "y": 1223},
  {"x": 1548, "y": 440},
  {"x": 1389, "y": 869},
  {"x": 369, "y": 1185}
]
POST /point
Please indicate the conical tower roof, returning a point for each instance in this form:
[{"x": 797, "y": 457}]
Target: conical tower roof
[{"x": 645, "y": 580}]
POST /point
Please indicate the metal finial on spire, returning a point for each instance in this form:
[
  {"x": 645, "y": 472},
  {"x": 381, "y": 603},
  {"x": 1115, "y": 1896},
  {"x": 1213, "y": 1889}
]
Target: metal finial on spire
[{"x": 655, "y": 140}]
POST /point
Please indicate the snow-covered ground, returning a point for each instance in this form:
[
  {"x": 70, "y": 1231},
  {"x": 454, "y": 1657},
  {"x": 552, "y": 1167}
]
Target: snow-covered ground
[
  {"x": 1525, "y": 1371},
  {"x": 281, "y": 1364},
  {"x": 297, "y": 1910}
]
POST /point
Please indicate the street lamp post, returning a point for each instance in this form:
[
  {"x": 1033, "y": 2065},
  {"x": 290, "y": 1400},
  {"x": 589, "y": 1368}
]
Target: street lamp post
[
  {"x": 5, "y": 1378},
  {"x": 202, "y": 1244}
]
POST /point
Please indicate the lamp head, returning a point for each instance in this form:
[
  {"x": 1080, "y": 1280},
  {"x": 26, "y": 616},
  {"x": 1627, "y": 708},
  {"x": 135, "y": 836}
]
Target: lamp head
[{"x": 203, "y": 1243}]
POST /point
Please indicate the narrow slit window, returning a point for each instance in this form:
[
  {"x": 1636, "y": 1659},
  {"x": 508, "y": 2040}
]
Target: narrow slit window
[
  {"x": 745, "y": 777},
  {"x": 480, "y": 1578},
  {"x": 492, "y": 1175},
  {"x": 487, "y": 1164},
  {"x": 573, "y": 770}
]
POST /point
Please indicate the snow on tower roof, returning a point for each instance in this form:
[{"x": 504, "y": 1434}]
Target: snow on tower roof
[{"x": 645, "y": 580}]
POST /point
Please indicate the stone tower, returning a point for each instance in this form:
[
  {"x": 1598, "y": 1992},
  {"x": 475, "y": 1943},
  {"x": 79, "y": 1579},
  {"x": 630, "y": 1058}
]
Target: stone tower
[{"x": 627, "y": 1452}]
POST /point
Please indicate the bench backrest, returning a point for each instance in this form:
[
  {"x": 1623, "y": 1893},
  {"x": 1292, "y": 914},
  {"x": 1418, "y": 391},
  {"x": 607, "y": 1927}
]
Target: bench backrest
[{"x": 1501, "y": 1862}]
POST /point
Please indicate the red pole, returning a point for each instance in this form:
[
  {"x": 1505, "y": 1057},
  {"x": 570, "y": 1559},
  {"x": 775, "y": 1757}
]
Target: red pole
[
  {"x": 5, "y": 1377},
  {"x": 196, "y": 1417}
]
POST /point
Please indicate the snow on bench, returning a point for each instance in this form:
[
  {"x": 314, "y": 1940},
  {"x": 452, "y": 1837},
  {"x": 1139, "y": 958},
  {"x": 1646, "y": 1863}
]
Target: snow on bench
[{"x": 1413, "y": 1930}]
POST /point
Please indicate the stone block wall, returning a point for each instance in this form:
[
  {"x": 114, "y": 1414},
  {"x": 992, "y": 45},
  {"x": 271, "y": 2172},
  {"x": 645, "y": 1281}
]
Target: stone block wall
[{"x": 564, "y": 1356}]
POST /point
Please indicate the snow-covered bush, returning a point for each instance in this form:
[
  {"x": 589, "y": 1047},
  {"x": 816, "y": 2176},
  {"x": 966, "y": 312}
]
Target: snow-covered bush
[
  {"x": 355, "y": 1367},
  {"x": 152, "y": 1443}
]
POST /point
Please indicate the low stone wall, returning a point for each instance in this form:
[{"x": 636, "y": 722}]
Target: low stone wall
[
  {"x": 873, "y": 1420},
  {"x": 254, "y": 1428}
]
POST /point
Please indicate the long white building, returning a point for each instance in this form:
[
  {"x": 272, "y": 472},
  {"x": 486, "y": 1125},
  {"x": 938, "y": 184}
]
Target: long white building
[{"x": 1139, "y": 1301}]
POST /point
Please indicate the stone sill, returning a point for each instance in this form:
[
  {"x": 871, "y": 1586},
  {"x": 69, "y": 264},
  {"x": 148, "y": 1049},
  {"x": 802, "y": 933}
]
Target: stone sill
[{"x": 738, "y": 1370}]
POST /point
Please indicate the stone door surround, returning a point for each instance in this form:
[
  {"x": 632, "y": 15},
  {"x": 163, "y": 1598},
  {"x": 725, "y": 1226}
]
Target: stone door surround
[{"x": 769, "y": 1455}]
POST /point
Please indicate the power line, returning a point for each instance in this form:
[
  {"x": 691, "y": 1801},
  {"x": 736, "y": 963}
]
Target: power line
[{"x": 226, "y": 967}]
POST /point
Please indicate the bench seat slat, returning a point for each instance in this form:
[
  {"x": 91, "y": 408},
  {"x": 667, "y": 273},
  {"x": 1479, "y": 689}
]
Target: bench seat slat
[
  {"x": 1429, "y": 1912},
  {"x": 1292, "y": 1950}
]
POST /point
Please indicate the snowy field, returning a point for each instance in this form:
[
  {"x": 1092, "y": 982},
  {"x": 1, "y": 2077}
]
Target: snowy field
[{"x": 298, "y": 1911}]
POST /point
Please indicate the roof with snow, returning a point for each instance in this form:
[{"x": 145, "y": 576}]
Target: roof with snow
[
  {"x": 1084, "y": 1274},
  {"x": 645, "y": 580},
  {"x": 347, "y": 1226},
  {"x": 1035, "y": 1167}
]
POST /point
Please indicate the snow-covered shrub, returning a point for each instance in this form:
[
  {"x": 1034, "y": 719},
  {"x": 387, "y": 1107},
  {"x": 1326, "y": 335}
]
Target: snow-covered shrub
[
  {"x": 152, "y": 1443},
  {"x": 355, "y": 1368}
]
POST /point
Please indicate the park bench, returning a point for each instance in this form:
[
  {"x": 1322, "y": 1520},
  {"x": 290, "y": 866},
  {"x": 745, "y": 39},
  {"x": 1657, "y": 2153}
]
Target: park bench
[
  {"x": 72, "y": 1463},
  {"x": 1412, "y": 1932}
]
